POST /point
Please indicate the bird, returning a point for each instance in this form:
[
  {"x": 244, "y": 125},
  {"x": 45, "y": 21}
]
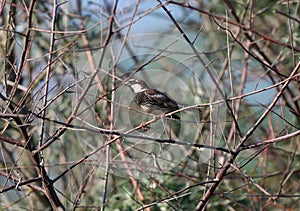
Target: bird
[{"x": 150, "y": 100}]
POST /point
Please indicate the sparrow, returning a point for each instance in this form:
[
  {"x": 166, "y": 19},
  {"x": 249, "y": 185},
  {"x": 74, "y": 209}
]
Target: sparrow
[{"x": 151, "y": 100}]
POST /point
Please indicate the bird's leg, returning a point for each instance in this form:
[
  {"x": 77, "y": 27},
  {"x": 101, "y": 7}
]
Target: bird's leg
[{"x": 144, "y": 126}]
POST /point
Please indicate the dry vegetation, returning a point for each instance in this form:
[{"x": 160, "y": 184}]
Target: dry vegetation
[{"x": 72, "y": 140}]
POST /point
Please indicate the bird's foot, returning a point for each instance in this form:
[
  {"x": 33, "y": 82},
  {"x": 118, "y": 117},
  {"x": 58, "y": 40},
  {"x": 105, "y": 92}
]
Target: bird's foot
[{"x": 144, "y": 126}]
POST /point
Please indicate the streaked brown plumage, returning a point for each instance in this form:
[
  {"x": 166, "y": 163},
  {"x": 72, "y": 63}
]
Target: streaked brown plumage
[{"x": 152, "y": 100}]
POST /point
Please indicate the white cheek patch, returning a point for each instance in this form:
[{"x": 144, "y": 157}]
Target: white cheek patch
[{"x": 137, "y": 88}]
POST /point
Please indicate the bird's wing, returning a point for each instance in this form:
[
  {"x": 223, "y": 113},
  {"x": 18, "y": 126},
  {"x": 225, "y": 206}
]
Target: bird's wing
[{"x": 162, "y": 99}]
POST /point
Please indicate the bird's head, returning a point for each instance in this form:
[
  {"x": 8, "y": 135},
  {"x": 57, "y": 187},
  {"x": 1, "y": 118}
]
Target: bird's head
[{"x": 136, "y": 85}]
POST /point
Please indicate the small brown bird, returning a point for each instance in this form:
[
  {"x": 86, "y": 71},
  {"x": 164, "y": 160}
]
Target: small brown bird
[{"x": 152, "y": 100}]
